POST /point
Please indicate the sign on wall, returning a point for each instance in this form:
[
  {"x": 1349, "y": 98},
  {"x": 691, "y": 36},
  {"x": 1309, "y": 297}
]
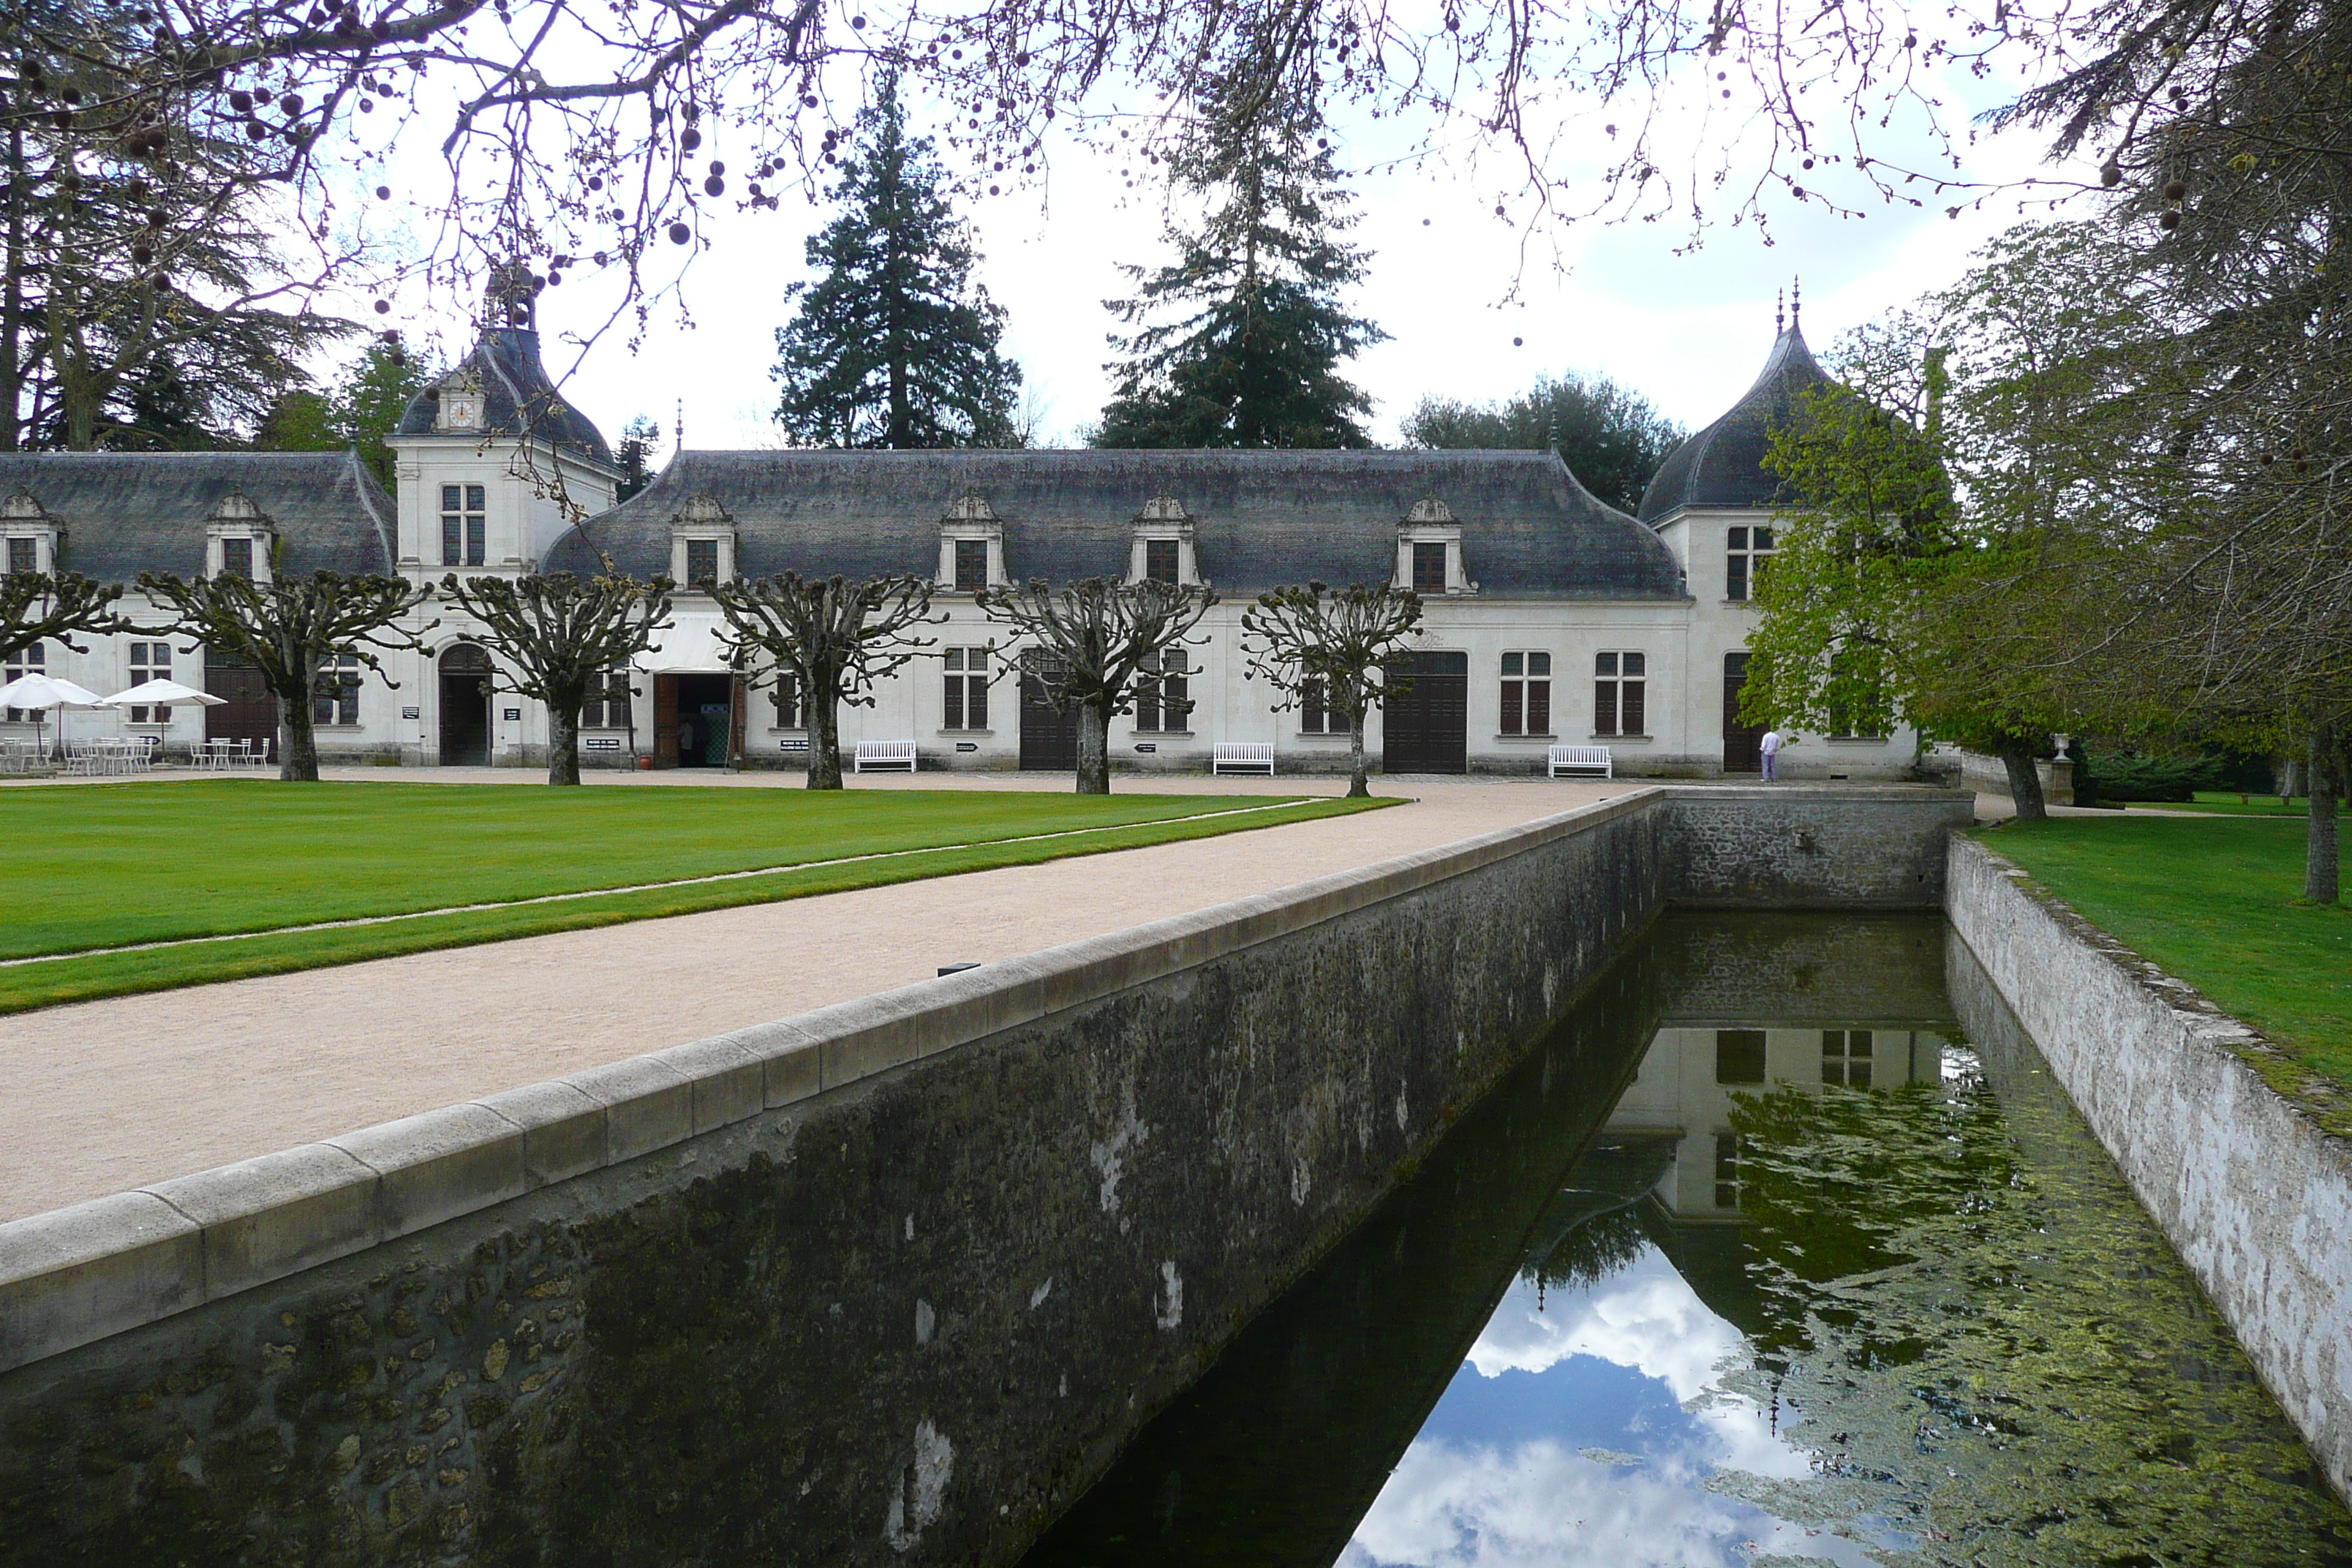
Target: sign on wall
[{"x": 603, "y": 742}]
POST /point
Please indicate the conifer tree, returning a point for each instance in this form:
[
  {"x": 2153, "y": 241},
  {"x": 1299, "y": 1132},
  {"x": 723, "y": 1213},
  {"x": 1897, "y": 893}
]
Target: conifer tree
[
  {"x": 895, "y": 345},
  {"x": 1247, "y": 332}
]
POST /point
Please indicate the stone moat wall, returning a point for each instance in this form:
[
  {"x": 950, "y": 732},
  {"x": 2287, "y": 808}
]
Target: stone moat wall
[{"x": 893, "y": 1280}]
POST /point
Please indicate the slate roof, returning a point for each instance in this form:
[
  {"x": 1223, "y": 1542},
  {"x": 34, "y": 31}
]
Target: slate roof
[
  {"x": 127, "y": 512},
  {"x": 1723, "y": 465},
  {"x": 1261, "y": 519},
  {"x": 518, "y": 398}
]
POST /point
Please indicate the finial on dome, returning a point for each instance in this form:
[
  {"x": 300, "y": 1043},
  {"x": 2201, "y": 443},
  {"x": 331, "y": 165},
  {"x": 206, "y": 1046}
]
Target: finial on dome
[
  {"x": 511, "y": 297},
  {"x": 1779, "y": 311},
  {"x": 1796, "y": 303}
]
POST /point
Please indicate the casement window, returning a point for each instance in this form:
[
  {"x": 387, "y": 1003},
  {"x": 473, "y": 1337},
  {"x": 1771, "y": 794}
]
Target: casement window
[
  {"x": 1845, "y": 1058},
  {"x": 1526, "y": 694},
  {"x": 465, "y": 525},
  {"x": 1316, "y": 717},
  {"x": 1429, "y": 569},
  {"x": 150, "y": 661},
  {"x": 335, "y": 696},
  {"x": 701, "y": 562},
  {"x": 1730, "y": 1160},
  {"x": 236, "y": 558},
  {"x": 1620, "y": 694},
  {"x": 1163, "y": 561},
  {"x": 33, "y": 661},
  {"x": 792, "y": 708},
  {"x": 1163, "y": 695},
  {"x": 970, "y": 565},
  {"x": 607, "y": 707},
  {"x": 966, "y": 688},
  {"x": 1739, "y": 1056},
  {"x": 24, "y": 557},
  {"x": 1744, "y": 556}
]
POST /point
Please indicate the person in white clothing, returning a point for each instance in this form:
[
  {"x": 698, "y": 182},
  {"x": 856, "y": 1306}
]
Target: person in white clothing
[{"x": 1772, "y": 750}]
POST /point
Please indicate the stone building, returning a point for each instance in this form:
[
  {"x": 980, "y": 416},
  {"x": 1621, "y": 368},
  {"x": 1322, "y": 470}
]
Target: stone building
[{"x": 1550, "y": 617}]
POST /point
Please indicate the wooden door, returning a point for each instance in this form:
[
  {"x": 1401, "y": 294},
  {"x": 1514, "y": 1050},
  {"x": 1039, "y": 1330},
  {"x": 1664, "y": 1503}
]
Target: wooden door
[
  {"x": 1049, "y": 736},
  {"x": 664, "y": 721},
  {"x": 1743, "y": 744},
  {"x": 1427, "y": 725},
  {"x": 251, "y": 713}
]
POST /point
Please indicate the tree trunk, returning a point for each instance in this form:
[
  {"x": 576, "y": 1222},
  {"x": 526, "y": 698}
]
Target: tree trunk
[
  {"x": 2024, "y": 783},
  {"x": 298, "y": 743},
  {"x": 1093, "y": 750},
  {"x": 563, "y": 742},
  {"x": 1357, "y": 788},
  {"x": 825, "y": 735},
  {"x": 2320, "y": 884},
  {"x": 2289, "y": 779}
]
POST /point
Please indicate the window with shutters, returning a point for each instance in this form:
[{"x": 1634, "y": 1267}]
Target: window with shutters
[
  {"x": 1620, "y": 694},
  {"x": 335, "y": 693},
  {"x": 1845, "y": 1058},
  {"x": 1163, "y": 693},
  {"x": 33, "y": 661},
  {"x": 1429, "y": 569},
  {"x": 1746, "y": 550},
  {"x": 465, "y": 525},
  {"x": 1526, "y": 694},
  {"x": 701, "y": 562},
  {"x": 967, "y": 689},
  {"x": 607, "y": 707},
  {"x": 1163, "y": 560},
  {"x": 24, "y": 556},
  {"x": 970, "y": 565},
  {"x": 236, "y": 558},
  {"x": 150, "y": 661},
  {"x": 1315, "y": 716}
]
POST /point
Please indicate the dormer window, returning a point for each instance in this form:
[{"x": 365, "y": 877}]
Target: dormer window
[
  {"x": 971, "y": 546},
  {"x": 1163, "y": 549},
  {"x": 1429, "y": 552},
  {"x": 702, "y": 544},
  {"x": 238, "y": 538},
  {"x": 33, "y": 535}
]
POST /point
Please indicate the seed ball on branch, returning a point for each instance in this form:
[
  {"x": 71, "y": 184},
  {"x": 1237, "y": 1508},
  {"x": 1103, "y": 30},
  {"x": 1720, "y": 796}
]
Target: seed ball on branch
[
  {"x": 2111, "y": 174},
  {"x": 2174, "y": 190},
  {"x": 679, "y": 234},
  {"x": 384, "y": 306},
  {"x": 714, "y": 186},
  {"x": 383, "y": 193},
  {"x": 690, "y": 139},
  {"x": 2169, "y": 221}
]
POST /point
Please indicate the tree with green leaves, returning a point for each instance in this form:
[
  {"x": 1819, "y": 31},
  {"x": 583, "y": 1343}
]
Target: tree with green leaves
[
  {"x": 895, "y": 344},
  {"x": 835, "y": 637},
  {"x": 564, "y": 639},
  {"x": 1612, "y": 437},
  {"x": 360, "y": 411},
  {"x": 1330, "y": 648},
  {"x": 640, "y": 439},
  {"x": 1240, "y": 340},
  {"x": 288, "y": 627}
]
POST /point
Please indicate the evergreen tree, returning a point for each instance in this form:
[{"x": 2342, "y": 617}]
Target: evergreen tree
[
  {"x": 1250, "y": 333},
  {"x": 374, "y": 393},
  {"x": 895, "y": 345},
  {"x": 1612, "y": 437},
  {"x": 634, "y": 456}
]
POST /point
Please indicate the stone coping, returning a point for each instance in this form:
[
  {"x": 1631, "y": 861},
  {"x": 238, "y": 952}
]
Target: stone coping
[{"x": 76, "y": 1274}]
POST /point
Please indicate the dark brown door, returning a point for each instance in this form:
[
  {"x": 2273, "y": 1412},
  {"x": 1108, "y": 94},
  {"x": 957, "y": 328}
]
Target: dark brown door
[
  {"x": 465, "y": 706},
  {"x": 1427, "y": 723},
  {"x": 1743, "y": 744},
  {"x": 1049, "y": 735},
  {"x": 251, "y": 713},
  {"x": 664, "y": 721}
]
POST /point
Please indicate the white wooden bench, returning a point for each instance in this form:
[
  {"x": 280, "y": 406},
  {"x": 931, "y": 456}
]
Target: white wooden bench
[
  {"x": 872, "y": 756},
  {"x": 1583, "y": 759},
  {"x": 1242, "y": 756}
]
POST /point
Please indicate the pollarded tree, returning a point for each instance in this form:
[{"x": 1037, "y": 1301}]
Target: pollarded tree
[
  {"x": 836, "y": 638},
  {"x": 286, "y": 628},
  {"x": 38, "y": 607},
  {"x": 894, "y": 344},
  {"x": 1328, "y": 648},
  {"x": 565, "y": 638},
  {"x": 1248, "y": 332},
  {"x": 1105, "y": 645}
]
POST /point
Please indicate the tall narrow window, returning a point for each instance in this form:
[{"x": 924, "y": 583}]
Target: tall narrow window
[
  {"x": 1730, "y": 1156},
  {"x": 465, "y": 528},
  {"x": 1620, "y": 694},
  {"x": 607, "y": 707},
  {"x": 971, "y": 565},
  {"x": 1526, "y": 694},
  {"x": 24, "y": 557},
  {"x": 1746, "y": 550},
  {"x": 967, "y": 689},
  {"x": 791, "y": 711},
  {"x": 150, "y": 661},
  {"x": 1429, "y": 569},
  {"x": 1162, "y": 694},
  {"x": 1845, "y": 1058},
  {"x": 701, "y": 562},
  {"x": 33, "y": 661},
  {"x": 236, "y": 558},
  {"x": 1316, "y": 716},
  {"x": 1161, "y": 559},
  {"x": 335, "y": 697}
]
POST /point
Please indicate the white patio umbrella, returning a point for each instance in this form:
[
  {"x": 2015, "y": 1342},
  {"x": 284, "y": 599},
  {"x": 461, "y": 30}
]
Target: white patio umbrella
[
  {"x": 163, "y": 694},
  {"x": 43, "y": 692}
]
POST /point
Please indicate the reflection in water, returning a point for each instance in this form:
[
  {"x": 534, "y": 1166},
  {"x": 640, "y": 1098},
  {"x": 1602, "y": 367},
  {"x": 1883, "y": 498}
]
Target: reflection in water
[{"x": 1754, "y": 1260}]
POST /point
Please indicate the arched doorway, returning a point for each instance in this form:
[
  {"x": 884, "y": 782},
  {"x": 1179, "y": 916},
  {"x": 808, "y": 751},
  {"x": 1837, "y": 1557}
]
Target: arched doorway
[{"x": 465, "y": 706}]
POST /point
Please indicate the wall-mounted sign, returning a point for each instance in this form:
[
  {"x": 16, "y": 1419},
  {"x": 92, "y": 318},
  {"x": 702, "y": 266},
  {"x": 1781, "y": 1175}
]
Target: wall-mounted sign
[
  {"x": 1148, "y": 746},
  {"x": 411, "y": 712},
  {"x": 603, "y": 742},
  {"x": 967, "y": 745},
  {"x": 512, "y": 715},
  {"x": 791, "y": 745}
]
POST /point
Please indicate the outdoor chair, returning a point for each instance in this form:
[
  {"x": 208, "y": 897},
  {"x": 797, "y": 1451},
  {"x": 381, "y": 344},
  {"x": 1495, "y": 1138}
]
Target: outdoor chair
[
  {"x": 1593, "y": 760},
  {"x": 1242, "y": 757}
]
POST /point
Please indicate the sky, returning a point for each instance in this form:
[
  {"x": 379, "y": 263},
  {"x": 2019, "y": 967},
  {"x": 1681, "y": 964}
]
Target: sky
[{"x": 1471, "y": 307}]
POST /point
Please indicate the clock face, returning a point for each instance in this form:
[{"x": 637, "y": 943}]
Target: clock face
[{"x": 464, "y": 412}]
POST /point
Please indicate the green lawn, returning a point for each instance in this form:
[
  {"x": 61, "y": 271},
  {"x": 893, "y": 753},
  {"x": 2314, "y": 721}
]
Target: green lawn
[
  {"x": 2215, "y": 802},
  {"x": 2212, "y": 902},
  {"x": 109, "y": 865}
]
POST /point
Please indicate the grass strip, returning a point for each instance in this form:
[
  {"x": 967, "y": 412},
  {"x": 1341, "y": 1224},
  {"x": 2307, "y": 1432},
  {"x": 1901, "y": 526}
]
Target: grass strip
[
  {"x": 2214, "y": 903},
  {"x": 124, "y": 972}
]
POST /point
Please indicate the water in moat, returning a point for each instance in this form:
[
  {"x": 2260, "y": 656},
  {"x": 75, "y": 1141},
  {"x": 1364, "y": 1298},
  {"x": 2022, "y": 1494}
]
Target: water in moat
[{"x": 1756, "y": 1259}]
